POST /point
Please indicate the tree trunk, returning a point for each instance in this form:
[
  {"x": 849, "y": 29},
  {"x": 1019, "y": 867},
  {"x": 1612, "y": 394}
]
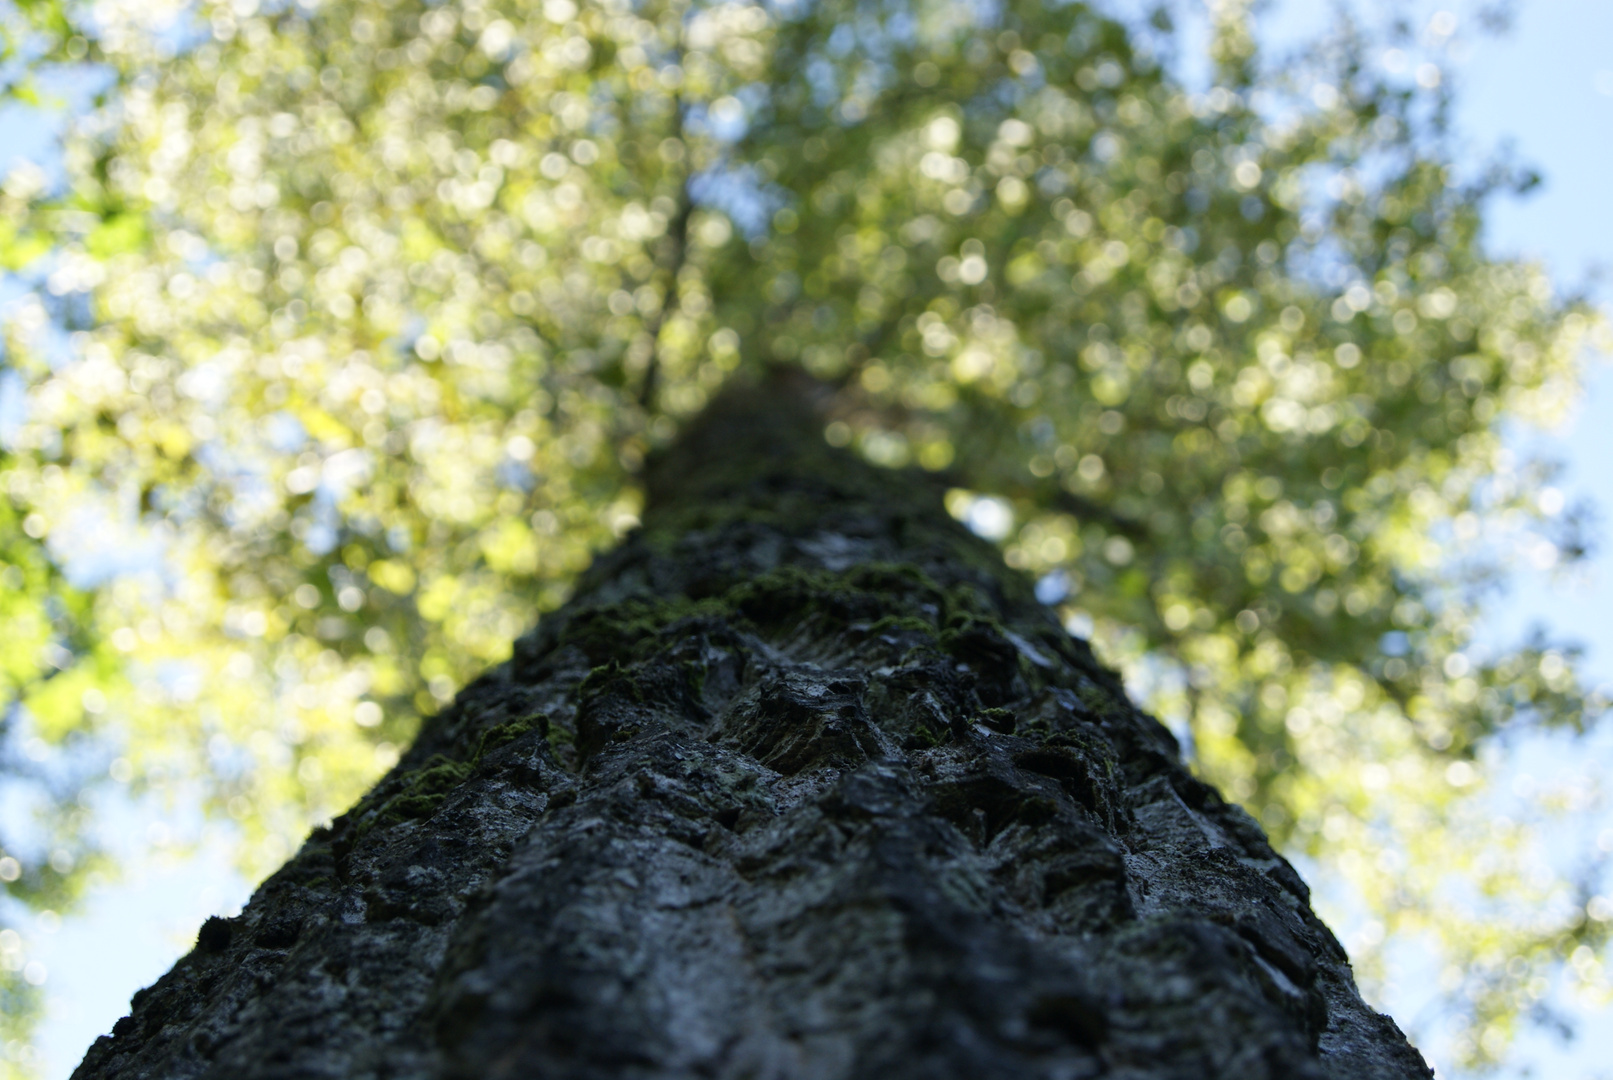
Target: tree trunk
[{"x": 802, "y": 783}]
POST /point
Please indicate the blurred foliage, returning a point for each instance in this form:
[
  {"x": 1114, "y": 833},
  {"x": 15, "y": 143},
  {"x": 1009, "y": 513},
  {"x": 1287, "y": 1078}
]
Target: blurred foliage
[{"x": 349, "y": 324}]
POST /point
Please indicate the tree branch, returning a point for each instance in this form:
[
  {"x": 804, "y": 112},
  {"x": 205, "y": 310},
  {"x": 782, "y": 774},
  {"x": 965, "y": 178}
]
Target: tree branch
[{"x": 678, "y": 237}]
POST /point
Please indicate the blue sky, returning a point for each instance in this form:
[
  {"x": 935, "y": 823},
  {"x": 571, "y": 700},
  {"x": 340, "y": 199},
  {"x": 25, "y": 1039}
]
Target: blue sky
[
  {"x": 1550, "y": 88},
  {"x": 1547, "y": 87}
]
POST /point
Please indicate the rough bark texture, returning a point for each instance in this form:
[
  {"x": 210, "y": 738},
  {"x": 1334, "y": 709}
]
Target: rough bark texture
[{"x": 802, "y": 784}]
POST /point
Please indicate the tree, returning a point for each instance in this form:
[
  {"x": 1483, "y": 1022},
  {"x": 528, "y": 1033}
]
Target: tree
[
  {"x": 802, "y": 782},
  {"x": 363, "y": 315}
]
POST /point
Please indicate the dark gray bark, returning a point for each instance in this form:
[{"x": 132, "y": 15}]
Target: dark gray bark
[{"x": 803, "y": 783}]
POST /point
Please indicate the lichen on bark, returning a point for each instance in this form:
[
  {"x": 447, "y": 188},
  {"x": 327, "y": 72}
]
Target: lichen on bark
[{"x": 802, "y": 783}]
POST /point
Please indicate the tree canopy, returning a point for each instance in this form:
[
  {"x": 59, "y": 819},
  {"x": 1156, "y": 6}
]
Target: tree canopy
[{"x": 347, "y": 325}]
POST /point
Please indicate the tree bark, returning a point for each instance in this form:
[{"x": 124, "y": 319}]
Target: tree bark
[{"x": 803, "y": 783}]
